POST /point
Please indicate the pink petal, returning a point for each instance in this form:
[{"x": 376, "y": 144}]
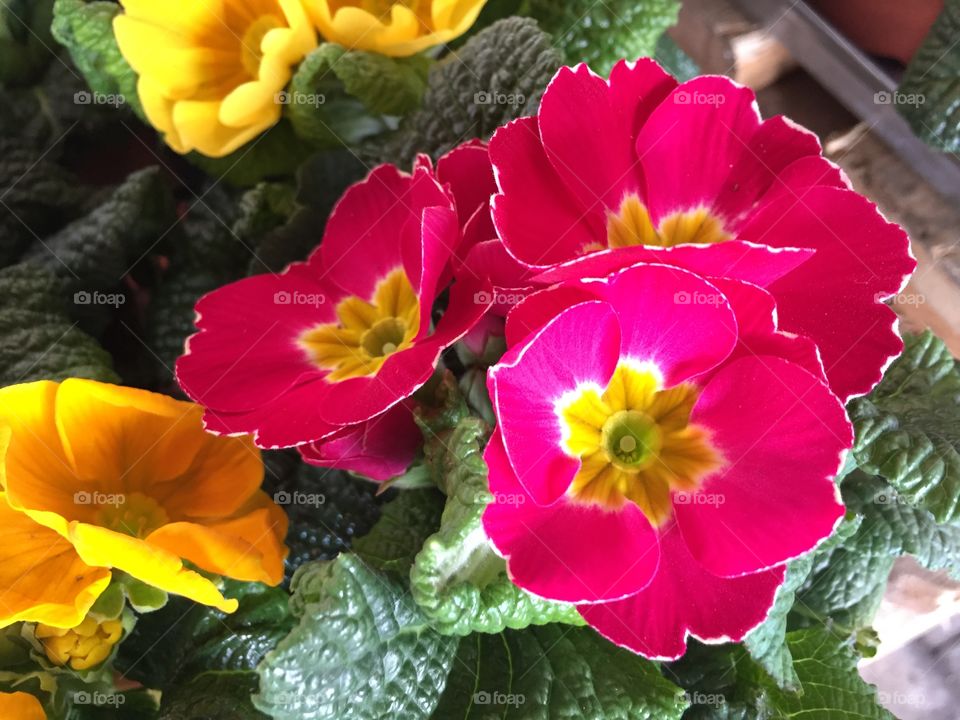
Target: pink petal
[
  {"x": 538, "y": 218},
  {"x": 753, "y": 263},
  {"x": 564, "y": 551},
  {"x": 636, "y": 88},
  {"x": 684, "y": 600},
  {"x": 247, "y": 351},
  {"x": 380, "y": 448},
  {"x": 835, "y": 299},
  {"x": 581, "y": 345},
  {"x": 691, "y": 142},
  {"x": 468, "y": 172},
  {"x": 539, "y": 308},
  {"x": 783, "y": 436}
]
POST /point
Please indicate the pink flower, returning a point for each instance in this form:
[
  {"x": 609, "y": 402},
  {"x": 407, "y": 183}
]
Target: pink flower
[
  {"x": 639, "y": 168},
  {"x": 327, "y": 353},
  {"x": 662, "y": 449}
]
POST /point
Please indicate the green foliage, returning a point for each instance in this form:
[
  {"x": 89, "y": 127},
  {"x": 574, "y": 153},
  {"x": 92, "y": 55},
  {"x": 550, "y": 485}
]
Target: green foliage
[
  {"x": 338, "y": 96},
  {"x": 404, "y": 525},
  {"x": 457, "y": 579},
  {"x": 276, "y": 154},
  {"x": 498, "y": 75},
  {"x": 908, "y": 428},
  {"x": 86, "y": 30},
  {"x": 213, "y": 696},
  {"x": 554, "y": 672},
  {"x": 362, "y": 650},
  {"x": 24, "y": 40},
  {"x": 601, "y": 33},
  {"x": 931, "y": 86},
  {"x": 37, "y": 340}
]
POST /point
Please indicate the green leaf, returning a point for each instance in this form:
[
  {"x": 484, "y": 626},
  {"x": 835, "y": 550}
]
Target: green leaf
[
  {"x": 554, "y": 672},
  {"x": 37, "y": 341},
  {"x": 399, "y": 534},
  {"x": 86, "y": 29},
  {"x": 929, "y": 95},
  {"x": 498, "y": 75},
  {"x": 601, "y": 33},
  {"x": 276, "y": 154},
  {"x": 24, "y": 40},
  {"x": 213, "y": 696},
  {"x": 457, "y": 579},
  {"x": 338, "y": 96},
  {"x": 362, "y": 650},
  {"x": 176, "y": 643},
  {"x": 908, "y": 428},
  {"x": 327, "y": 508},
  {"x": 675, "y": 60}
]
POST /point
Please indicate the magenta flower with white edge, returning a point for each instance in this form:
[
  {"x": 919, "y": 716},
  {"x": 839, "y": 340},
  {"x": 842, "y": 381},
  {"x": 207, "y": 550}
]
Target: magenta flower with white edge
[
  {"x": 662, "y": 450},
  {"x": 326, "y": 354},
  {"x": 639, "y": 168}
]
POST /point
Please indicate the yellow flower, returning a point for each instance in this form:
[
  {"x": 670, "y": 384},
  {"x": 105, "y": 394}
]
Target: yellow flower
[
  {"x": 82, "y": 647},
  {"x": 209, "y": 70},
  {"x": 393, "y": 28},
  {"x": 21, "y": 706},
  {"x": 42, "y": 579},
  {"x": 133, "y": 482}
]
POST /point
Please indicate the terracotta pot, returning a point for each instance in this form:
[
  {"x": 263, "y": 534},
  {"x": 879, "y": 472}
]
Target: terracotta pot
[{"x": 889, "y": 28}]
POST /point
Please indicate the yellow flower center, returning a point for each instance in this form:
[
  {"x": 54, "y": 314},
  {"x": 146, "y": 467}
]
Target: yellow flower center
[
  {"x": 250, "y": 44},
  {"x": 632, "y": 226},
  {"x": 368, "y": 331},
  {"x": 134, "y": 514},
  {"x": 82, "y": 647},
  {"x": 635, "y": 442}
]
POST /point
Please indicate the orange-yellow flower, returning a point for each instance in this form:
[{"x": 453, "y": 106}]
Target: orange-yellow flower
[
  {"x": 133, "y": 482},
  {"x": 21, "y": 706},
  {"x": 393, "y": 28},
  {"x": 81, "y": 647},
  {"x": 209, "y": 70}
]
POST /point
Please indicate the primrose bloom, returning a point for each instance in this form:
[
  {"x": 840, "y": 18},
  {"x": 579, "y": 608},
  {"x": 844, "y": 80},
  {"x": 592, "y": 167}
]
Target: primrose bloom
[
  {"x": 21, "y": 705},
  {"x": 83, "y": 646},
  {"x": 209, "y": 71},
  {"x": 638, "y": 168},
  {"x": 393, "y": 27},
  {"x": 328, "y": 353},
  {"x": 661, "y": 451},
  {"x": 131, "y": 481}
]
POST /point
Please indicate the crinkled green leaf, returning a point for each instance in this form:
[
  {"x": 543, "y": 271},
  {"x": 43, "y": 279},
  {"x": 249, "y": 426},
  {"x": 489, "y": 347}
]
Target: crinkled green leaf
[
  {"x": 930, "y": 89},
  {"x": 274, "y": 155},
  {"x": 24, "y": 40},
  {"x": 86, "y": 29},
  {"x": 457, "y": 579},
  {"x": 172, "y": 645},
  {"x": 362, "y": 650},
  {"x": 554, "y": 671},
  {"x": 213, "y": 696},
  {"x": 404, "y": 525},
  {"x": 339, "y": 96},
  {"x": 601, "y": 33},
  {"x": 37, "y": 340},
  {"x": 498, "y": 75},
  {"x": 908, "y": 428}
]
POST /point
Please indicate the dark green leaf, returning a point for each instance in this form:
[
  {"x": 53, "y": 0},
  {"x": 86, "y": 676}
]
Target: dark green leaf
[{"x": 213, "y": 696}]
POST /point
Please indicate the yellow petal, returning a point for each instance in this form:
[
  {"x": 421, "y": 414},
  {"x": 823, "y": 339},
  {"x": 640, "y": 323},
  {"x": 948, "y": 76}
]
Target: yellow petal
[
  {"x": 200, "y": 127},
  {"x": 42, "y": 579},
  {"x": 153, "y": 565},
  {"x": 21, "y": 706}
]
